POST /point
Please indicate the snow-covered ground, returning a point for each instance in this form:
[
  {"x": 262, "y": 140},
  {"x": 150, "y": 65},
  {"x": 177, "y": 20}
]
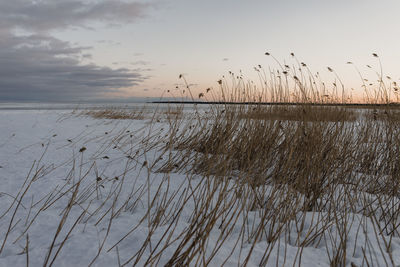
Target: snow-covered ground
[{"x": 92, "y": 179}]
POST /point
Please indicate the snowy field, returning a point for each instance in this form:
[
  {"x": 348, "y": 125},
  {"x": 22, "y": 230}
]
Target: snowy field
[{"x": 79, "y": 191}]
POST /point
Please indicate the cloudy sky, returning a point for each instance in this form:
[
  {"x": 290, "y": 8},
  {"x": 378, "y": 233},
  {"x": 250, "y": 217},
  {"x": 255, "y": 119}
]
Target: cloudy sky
[{"x": 74, "y": 50}]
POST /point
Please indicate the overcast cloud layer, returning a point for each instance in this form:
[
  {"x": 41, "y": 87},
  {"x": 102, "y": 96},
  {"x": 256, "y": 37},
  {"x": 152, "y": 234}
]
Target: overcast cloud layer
[{"x": 37, "y": 66}]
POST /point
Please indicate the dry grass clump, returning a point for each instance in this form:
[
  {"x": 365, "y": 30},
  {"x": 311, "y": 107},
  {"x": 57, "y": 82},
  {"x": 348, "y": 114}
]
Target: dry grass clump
[
  {"x": 288, "y": 168},
  {"x": 302, "y": 154},
  {"x": 387, "y": 114},
  {"x": 116, "y": 114},
  {"x": 160, "y": 114},
  {"x": 300, "y": 113},
  {"x": 290, "y": 161}
]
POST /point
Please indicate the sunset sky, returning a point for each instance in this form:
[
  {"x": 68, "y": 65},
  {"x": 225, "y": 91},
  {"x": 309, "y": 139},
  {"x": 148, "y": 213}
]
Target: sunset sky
[{"x": 72, "y": 50}]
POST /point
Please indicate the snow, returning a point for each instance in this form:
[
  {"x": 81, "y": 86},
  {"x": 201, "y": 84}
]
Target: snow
[{"x": 42, "y": 147}]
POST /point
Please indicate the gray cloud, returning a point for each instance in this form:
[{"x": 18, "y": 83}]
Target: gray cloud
[
  {"x": 44, "y": 68},
  {"x": 47, "y": 15},
  {"x": 39, "y": 67}
]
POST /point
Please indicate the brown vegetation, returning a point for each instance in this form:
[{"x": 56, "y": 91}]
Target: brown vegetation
[{"x": 256, "y": 176}]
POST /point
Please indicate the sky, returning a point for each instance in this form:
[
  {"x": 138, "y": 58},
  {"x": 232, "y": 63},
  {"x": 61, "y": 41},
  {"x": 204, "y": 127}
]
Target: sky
[{"x": 77, "y": 50}]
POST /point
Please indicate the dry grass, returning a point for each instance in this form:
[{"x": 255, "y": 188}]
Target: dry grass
[
  {"x": 161, "y": 114},
  {"x": 284, "y": 169},
  {"x": 255, "y": 176},
  {"x": 115, "y": 114},
  {"x": 300, "y": 113}
]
